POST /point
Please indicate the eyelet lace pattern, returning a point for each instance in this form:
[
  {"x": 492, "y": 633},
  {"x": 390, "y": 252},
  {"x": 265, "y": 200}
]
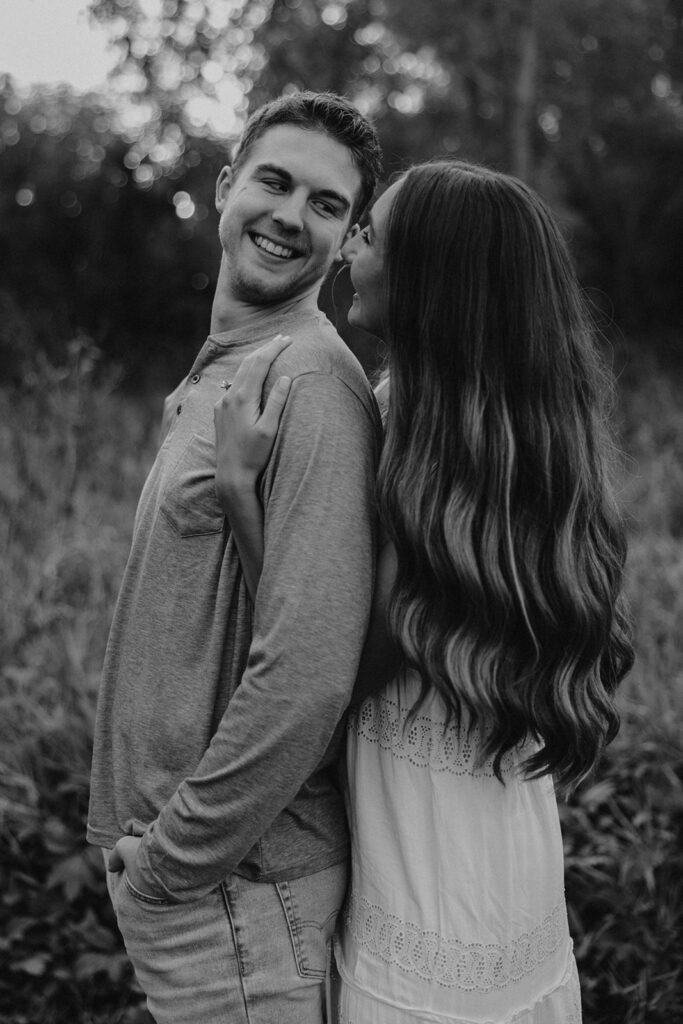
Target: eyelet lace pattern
[
  {"x": 426, "y": 744},
  {"x": 444, "y": 960}
]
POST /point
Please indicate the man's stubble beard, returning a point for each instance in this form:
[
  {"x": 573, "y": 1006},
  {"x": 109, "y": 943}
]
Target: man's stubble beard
[{"x": 256, "y": 293}]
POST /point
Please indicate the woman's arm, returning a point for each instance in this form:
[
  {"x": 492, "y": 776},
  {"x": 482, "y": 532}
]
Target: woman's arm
[
  {"x": 380, "y": 660},
  {"x": 244, "y": 440}
]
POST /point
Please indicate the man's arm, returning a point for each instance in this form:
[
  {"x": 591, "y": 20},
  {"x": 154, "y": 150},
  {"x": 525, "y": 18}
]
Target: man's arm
[{"x": 310, "y": 619}]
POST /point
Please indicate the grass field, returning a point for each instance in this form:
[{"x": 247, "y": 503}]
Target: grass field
[{"x": 73, "y": 456}]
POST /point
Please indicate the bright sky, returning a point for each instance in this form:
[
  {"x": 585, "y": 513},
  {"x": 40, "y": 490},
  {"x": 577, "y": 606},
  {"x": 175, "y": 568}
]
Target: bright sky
[{"x": 52, "y": 41}]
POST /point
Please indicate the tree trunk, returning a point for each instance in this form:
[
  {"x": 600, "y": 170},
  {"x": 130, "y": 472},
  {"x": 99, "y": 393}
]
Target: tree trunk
[{"x": 523, "y": 106}]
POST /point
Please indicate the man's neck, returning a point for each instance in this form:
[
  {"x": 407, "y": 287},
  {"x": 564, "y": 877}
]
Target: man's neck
[
  {"x": 228, "y": 312},
  {"x": 228, "y": 316}
]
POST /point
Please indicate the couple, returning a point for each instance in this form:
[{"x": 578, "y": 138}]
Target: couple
[{"x": 495, "y": 639}]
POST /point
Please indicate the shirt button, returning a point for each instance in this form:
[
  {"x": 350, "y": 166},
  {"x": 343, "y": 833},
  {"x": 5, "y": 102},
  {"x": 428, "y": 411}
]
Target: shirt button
[
  {"x": 178, "y": 410},
  {"x": 195, "y": 379}
]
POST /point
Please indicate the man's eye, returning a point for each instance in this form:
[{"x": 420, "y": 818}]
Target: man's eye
[
  {"x": 327, "y": 208},
  {"x": 365, "y": 235},
  {"x": 274, "y": 184}
]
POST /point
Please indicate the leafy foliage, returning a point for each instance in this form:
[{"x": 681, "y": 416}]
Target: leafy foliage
[
  {"x": 72, "y": 461},
  {"x": 91, "y": 242},
  {"x": 624, "y": 872},
  {"x": 624, "y": 831}
]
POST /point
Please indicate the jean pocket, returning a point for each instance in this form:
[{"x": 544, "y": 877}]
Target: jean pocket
[
  {"x": 142, "y": 897},
  {"x": 311, "y": 905},
  {"x": 189, "y": 502}
]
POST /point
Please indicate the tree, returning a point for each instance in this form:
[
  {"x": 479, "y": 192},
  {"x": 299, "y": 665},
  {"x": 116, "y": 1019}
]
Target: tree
[
  {"x": 93, "y": 241},
  {"x": 185, "y": 66}
]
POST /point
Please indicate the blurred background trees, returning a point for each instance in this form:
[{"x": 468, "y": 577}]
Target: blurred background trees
[{"x": 107, "y": 224}]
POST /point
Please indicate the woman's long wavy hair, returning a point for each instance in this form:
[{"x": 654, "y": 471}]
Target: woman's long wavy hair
[{"x": 494, "y": 483}]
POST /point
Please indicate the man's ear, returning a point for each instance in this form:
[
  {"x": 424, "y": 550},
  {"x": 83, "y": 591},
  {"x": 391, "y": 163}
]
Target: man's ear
[{"x": 223, "y": 183}]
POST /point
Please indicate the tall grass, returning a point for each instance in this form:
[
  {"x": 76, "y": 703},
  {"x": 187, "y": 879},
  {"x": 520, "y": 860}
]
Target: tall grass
[
  {"x": 73, "y": 455},
  {"x": 72, "y": 460},
  {"x": 624, "y": 830}
]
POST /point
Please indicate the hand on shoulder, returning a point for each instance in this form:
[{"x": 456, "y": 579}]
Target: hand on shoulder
[{"x": 245, "y": 433}]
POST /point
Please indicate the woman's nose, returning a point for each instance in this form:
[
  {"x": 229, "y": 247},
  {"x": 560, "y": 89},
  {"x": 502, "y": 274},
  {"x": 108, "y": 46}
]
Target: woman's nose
[{"x": 350, "y": 246}]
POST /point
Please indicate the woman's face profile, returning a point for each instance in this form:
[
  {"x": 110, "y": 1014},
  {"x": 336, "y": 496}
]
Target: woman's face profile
[{"x": 365, "y": 253}]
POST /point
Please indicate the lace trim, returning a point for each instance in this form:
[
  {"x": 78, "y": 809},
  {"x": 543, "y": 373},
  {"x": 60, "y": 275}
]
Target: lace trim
[
  {"x": 447, "y": 961},
  {"x": 566, "y": 1008},
  {"x": 425, "y": 743}
]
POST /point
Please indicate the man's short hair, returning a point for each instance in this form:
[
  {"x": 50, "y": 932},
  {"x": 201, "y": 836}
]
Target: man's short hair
[{"x": 325, "y": 112}]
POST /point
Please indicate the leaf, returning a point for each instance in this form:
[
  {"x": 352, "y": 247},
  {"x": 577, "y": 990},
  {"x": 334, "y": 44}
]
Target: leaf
[
  {"x": 113, "y": 965},
  {"x": 73, "y": 874},
  {"x": 598, "y": 793},
  {"x": 95, "y": 936},
  {"x": 58, "y": 837},
  {"x": 17, "y": 928},
  {"x": 35, "y": 965}
]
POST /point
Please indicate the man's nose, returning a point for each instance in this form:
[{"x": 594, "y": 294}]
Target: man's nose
[{"x": 289, "y": 213}]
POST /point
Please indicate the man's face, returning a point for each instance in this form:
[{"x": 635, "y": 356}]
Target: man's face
[{"x": 285, "y": 214}]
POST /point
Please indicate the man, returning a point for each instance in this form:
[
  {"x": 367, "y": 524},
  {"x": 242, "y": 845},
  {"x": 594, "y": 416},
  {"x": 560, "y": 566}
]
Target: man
[{"x": 218, "y": 724}]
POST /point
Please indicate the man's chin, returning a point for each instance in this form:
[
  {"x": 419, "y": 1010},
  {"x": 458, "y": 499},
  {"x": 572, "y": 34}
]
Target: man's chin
[{"x": 256, "y": 293}]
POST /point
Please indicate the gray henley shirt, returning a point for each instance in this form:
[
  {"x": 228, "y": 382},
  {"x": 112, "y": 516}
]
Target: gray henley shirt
[{"x": 219, "y": 725}]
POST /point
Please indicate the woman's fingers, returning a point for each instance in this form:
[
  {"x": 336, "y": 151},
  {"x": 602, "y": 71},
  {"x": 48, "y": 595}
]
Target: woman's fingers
[
  {"x": 270, "y": 420},
  {"x": 243, "y": 398},
  {"x": 278, "y": 344},
  {"x": 245, "y": 434},
  {"x": 254, "y": 368}
]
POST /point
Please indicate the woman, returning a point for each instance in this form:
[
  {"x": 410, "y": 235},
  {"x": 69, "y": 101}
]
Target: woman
[{"x": 497, "y": 606}]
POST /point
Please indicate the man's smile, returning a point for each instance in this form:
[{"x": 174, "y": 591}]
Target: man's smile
[{"x": 283, "y": 252}]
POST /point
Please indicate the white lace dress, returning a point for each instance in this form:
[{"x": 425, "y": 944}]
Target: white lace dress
[{"x": 456, "y": 912}]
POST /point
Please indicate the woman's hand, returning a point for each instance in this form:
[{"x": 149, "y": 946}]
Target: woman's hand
[{"x": 245, "y": 436}]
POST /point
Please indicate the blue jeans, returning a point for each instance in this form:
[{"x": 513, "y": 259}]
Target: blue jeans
[{"x": 248, "y": 953}]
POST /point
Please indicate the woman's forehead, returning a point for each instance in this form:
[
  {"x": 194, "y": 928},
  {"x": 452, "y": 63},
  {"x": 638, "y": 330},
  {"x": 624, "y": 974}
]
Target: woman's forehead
[{"x": 380, "y": 209}]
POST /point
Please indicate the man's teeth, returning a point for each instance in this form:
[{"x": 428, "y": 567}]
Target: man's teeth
[{"x": 273, "y": 248}]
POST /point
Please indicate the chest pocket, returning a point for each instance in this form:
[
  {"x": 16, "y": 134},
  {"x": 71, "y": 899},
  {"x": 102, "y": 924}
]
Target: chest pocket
[{"x": 189, "y": 501}]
